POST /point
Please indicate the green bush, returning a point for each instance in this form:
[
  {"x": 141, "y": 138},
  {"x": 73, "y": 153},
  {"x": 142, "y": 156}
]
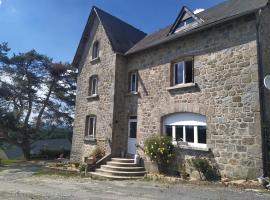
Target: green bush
[
  {"x": 161, "y": 150},
  {"x": 203, "y": 166},
  {"x": 53, "y": 154}
]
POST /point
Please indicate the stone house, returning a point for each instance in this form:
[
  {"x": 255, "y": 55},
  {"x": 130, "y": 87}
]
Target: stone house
[{"x": 198, "y": 81}]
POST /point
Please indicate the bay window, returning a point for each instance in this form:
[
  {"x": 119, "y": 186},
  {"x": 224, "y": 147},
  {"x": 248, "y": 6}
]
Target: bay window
[{"x": 186, "y": 128}]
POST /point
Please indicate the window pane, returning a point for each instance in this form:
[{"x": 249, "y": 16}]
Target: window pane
[
  {"x": 95, "y": 50},
  {"x": 133, "y": 82},
  {"x": 190, "y": 134},
  {"x": 189, "y": 74},
  {"x": 169, "y": 131},
  {"x": 202, "y": 134},
  {"x": 190, "y": 20},
  {"x": 133, "y": 129},
  {"x": 178, "y": 73},
  {"x": 179, "y": 131},
  {"x": 94, "y": 86},
  {"x": 91, "y": 126}
]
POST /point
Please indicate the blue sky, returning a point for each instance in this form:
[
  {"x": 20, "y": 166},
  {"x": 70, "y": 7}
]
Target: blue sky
[{"x": 54, "y": 27}]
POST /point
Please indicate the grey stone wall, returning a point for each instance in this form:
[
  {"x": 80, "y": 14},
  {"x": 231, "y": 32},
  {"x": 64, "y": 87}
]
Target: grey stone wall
[
  {"x": 227, "y": 92},
  {"x": 102, "y": 106}
]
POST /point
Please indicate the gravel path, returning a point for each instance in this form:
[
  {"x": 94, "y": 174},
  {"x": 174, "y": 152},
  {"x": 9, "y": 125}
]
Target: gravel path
[{"x": 18, "y": 183}]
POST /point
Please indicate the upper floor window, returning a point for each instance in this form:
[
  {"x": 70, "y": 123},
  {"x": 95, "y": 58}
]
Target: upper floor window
[
  {"x": 90, "y": 128},
  {"x": 95, "y": 50},
  {"x": 133, "y": 85},
  {"x": 183, "y": 72},
  {"x": 184, "y": 23},
  {"x": 189, "y": 128},
  {"x": 93, "y": 84}
]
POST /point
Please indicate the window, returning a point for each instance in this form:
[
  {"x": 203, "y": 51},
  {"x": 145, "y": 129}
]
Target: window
[
  {"x": 189, "y": 128},
  {"x": 133, "y": 82},
  {"x": 183, "y": 72},
  {"x": 95, "y": 50},
  {"x": 90, "y": 126},
  {"x": 93, "y": 84},
  {"x": 133, "y": 127},
  {"x": 184, "y": 23}
]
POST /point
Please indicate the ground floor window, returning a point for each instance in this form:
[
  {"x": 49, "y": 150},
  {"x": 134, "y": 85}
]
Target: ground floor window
[{"x": 189, "y": 128}]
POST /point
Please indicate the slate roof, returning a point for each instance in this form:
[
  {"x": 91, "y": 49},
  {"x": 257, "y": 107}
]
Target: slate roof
[
  {"x": 126, "y": 39},
  {"x": 122, "y": 36},
  {"x": 217, "y": 14}
]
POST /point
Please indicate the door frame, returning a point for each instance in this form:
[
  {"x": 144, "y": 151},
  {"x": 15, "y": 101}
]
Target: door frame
[{"x": 128, "y": 132}]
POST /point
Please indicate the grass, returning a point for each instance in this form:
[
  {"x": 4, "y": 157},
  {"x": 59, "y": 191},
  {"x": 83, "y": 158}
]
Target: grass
[
  {"x": 46, "y": 172},
  {"x": 11, "y": 162}
]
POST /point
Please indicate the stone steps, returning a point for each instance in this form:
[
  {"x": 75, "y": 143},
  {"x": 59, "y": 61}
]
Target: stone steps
[
  {"x": 119, "y": 169},
  {"x": 114, "y": 168},
  {"x": 117, "y": 164}
]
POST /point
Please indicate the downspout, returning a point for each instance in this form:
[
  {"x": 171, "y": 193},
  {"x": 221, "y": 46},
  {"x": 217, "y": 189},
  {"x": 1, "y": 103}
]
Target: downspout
[{"x": 261, "y": 87}]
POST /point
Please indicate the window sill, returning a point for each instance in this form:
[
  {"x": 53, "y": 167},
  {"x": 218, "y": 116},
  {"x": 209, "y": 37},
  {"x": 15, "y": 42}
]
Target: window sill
[
  {"x": 180, "y": 86},
  {"x": 94, "y": 96},
  {"x": 90, "y": 139},
  {"x": 187, "y": 147},
  {"x": 133, "y": 94},
  {"x": 95, "y": 60}
]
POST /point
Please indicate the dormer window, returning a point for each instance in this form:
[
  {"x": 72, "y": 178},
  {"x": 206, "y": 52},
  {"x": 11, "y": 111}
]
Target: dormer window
[
  {"x": 186, "y": 20},
  {"x": 184, "y": 23},
  {"x": 95, "y": 51}
]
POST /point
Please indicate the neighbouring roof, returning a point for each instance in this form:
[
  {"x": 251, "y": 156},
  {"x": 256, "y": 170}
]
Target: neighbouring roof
[
  {"x": 52, "y": 144},
  {"x": 217, "y": 14},
  {"x": 121, "y": 35}
]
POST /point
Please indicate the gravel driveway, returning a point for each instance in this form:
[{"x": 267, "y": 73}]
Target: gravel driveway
[{"x": 18, "y": 183}]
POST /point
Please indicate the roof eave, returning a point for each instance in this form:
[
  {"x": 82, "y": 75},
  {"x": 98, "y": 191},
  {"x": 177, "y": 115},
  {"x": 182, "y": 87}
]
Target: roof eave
[
  {"x": 78, "y": 54},
  {"x": 197, "y": 29}
]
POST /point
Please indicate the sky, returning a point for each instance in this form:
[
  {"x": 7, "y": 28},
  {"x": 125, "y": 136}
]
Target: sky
[{"x": 54, "y": 27}]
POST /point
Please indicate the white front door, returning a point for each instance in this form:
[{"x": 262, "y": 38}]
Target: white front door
[{"x": 132, "y": 135}]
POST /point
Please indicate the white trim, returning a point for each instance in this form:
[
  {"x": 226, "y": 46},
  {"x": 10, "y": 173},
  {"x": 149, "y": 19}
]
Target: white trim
[{"x": 185, "y": 119}]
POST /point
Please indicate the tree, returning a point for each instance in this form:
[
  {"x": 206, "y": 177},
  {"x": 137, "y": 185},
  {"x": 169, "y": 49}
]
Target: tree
[{"x": 35, "y": 93}]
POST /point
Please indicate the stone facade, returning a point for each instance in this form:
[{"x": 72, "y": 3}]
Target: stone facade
[
  {"x": 227, "y": 92},
  {"x": 101, "y": 106}
]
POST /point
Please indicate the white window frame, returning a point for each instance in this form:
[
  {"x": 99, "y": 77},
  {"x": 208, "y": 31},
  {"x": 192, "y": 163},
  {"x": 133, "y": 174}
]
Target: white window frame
[
  {"x": 135, "y": 91},
  {"x": 184, "y": 71},
  {"x": 185, "y": 119},
  {"x": 93, "y": 135}
]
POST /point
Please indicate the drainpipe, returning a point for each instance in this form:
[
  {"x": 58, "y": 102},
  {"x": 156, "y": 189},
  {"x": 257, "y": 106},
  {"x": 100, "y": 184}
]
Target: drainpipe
[{"x": 261, "y": 88}]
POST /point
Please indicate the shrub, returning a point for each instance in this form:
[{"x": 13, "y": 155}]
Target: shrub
[
  {"x": 53, "y": 153},
  {"x": 203, "y": 166},
  {"x": 82, "y": 167},
  {"x": 98, "y": 152},
  {"x": 159, "y": 149}
]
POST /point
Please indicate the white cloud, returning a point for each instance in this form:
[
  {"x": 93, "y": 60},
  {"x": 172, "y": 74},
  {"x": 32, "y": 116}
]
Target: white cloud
[{"x": 198, "y": 10}]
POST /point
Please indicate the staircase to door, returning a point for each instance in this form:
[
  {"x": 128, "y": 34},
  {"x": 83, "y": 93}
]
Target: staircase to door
[{"x": 119, "y": 169}]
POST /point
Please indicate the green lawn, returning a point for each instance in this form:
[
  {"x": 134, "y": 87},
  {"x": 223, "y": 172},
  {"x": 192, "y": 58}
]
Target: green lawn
[
  {"x": 11, "y": 162},
  {"x": 45, "y": 172}
]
